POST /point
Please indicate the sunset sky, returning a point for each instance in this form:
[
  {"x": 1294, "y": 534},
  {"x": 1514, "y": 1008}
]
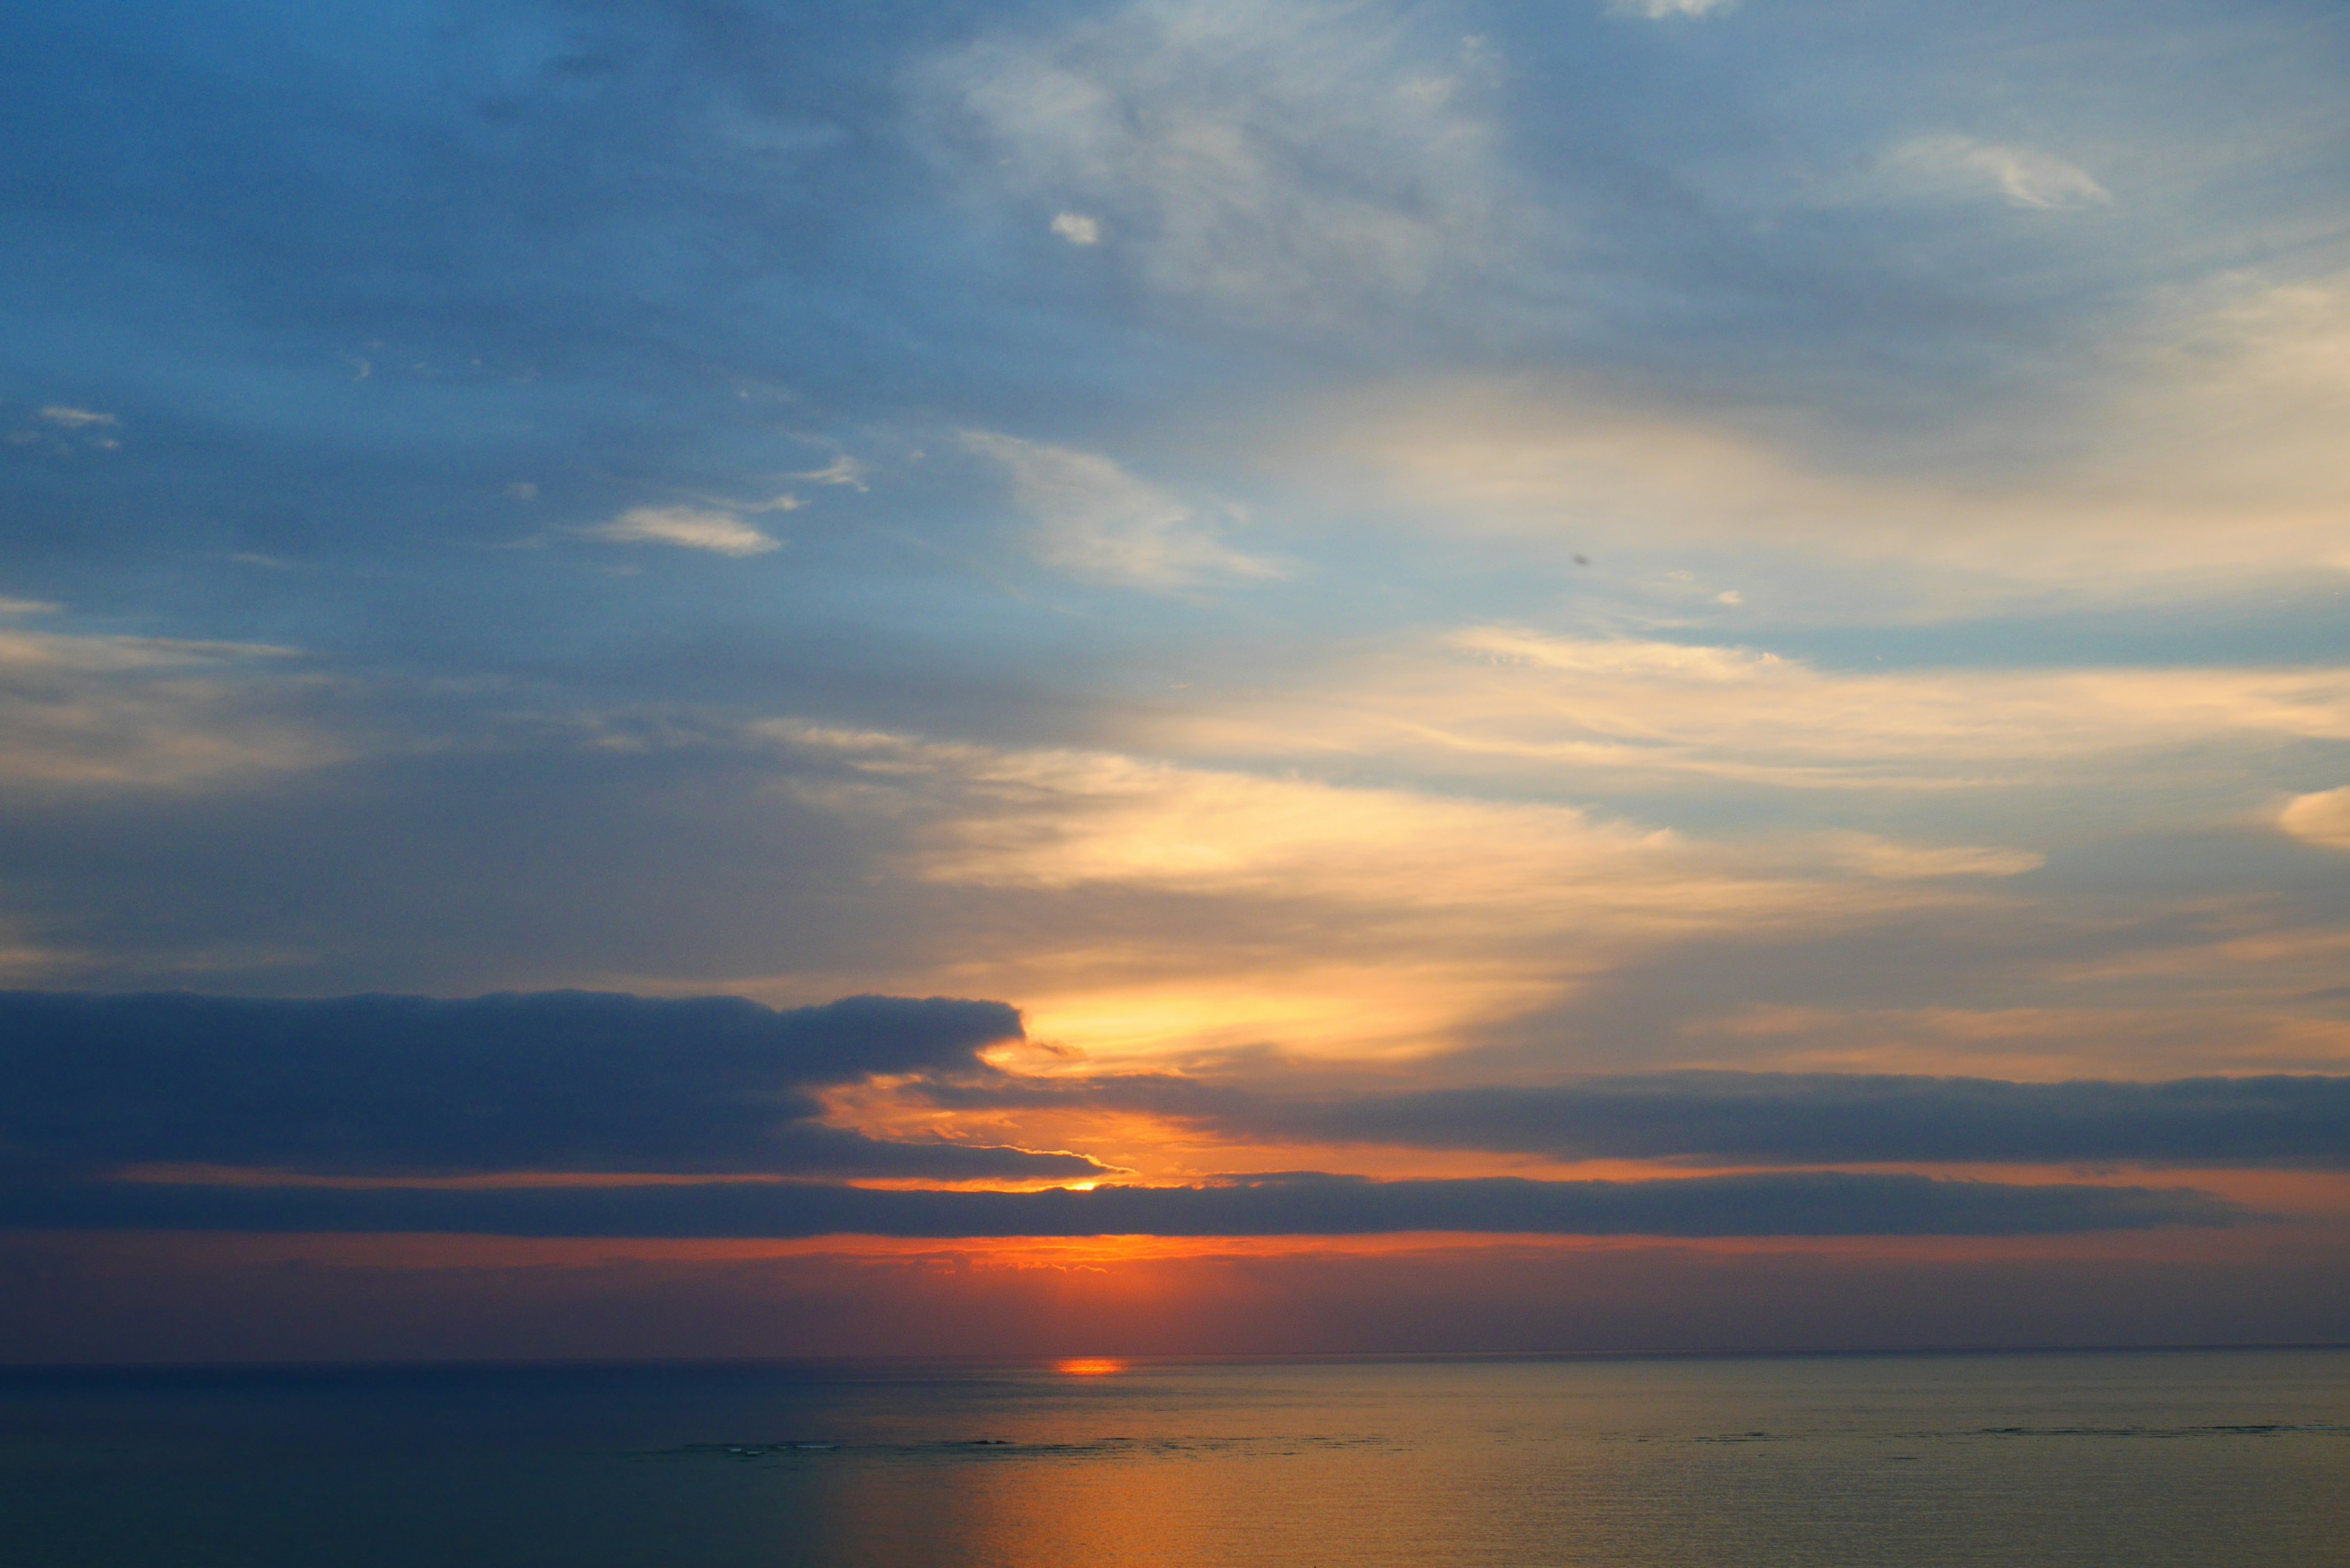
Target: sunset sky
[{"x": 1187, "y": 676}]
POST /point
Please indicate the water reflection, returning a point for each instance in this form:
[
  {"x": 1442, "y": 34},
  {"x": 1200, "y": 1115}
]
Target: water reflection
[{"x": 1931, "y": 1462}]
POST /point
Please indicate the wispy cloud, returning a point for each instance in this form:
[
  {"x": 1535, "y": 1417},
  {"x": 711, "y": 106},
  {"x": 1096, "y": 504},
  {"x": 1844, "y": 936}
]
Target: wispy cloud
[
  {"x": 1659, "y": 10},
  {"x": 687, "y": 528},
  {"x": 842, "y": 469},
  {"x": 74, "y": 419},
  {"x": 1507, "y": 700},
  {"x": 1096, "y": 520},
  {"x": 1328, "y": 917},
  {"x": 1953, "y": 165},
  {"x": 2193, "y": 457},
  {"x": 2321, "y": 819},
  {"x": 1291, "y": 160},
  {"x": 147, "y": 712}
]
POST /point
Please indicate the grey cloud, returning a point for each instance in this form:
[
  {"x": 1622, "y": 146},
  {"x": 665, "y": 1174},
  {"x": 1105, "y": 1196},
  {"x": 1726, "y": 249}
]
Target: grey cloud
[
  {"x": 1807, "y": 1203},
  {"x": 564, "y": 1081},
  {"x": 1788, "y": 1117},
  {"x": 1807, "y": 1118}
]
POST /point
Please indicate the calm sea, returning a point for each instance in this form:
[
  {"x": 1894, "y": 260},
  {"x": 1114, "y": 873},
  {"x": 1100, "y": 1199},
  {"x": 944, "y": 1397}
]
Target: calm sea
[{"x": 2185, "y": 1458}]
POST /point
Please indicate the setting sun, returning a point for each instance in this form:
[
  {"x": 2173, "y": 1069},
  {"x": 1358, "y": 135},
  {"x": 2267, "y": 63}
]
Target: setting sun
[{"x": 1090, "y": 1366}]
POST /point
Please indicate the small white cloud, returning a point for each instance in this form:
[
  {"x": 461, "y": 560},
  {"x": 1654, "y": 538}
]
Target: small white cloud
[
  {"x": 1884, "y": 858},
  {"x": 2021, "y": 176},
  {"x": 26, "y": 606},
  {"x": 1096, "y": 520},
  {"x": 842, "y": 469},
  {"x": 1077, "y": 229},
  {"x": 687, "y": 527},
  {"x": 1730, "y": 597},
  {"x": 75, "y": 419},
  {"x": 1658, "y": 10},
  {"x": 2321, "y": 819},
  {"x": 523, "y": 490}
]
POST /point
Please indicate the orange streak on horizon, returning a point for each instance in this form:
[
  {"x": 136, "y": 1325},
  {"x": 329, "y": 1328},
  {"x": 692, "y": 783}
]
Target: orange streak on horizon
[
  {"x": 1090, "y": 1366},
  {"x": 1105, "y": 1254}
]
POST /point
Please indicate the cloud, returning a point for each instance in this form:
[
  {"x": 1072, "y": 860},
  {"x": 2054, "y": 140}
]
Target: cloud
[
  {"x": 1294, "y": 162},
  {"x": 560, "y": 1081},
  {"x": 1096, "y": 520},
  {"x": 687, "y": 527},
  {"x": 2321, "y": 819},
  {"x": 1790, "y": 1118},
  {"x": 1066, "y": 819},
  {"x": 842, "y": 469},
  {"x": 150, "y": 711},
  {"x": 1172, "y": 907},
  {"x": 1659, "y": 10},
  {"x": 1501, "y": 701},
  {"x": 1960, "y": 165},
  {"x": 75, "y": 419},
  {"x": 2186, "y": 455},
  {"x": 1077, "y": 228},
  {"x": 1810, "y": 1203},
  {"x": 1876, "y": 856}
]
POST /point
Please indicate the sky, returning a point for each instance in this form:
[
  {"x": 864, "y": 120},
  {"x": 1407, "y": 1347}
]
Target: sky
[{"x": 715, "y": 678}]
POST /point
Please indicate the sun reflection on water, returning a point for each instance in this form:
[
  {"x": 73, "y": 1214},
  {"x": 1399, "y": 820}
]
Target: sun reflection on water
[{"x": 1089, "y": 1366}]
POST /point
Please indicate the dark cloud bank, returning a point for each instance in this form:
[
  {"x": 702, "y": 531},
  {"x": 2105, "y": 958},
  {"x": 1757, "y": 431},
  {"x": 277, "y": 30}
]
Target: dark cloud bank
[
  {"x": 561, "y": 1080},
  {"x": 410, "y": 1087},
  {"x": 1792, "y": 1118}
]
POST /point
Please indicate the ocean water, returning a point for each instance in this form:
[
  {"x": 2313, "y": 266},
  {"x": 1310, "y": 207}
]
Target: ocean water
[{"x": 2172, "y": 1458}]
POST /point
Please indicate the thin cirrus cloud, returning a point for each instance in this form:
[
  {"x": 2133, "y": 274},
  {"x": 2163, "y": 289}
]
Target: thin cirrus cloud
[
  {"x": 1286, "y": 161},
  {"x": 1499, "y": 698},
  {"x": 1958, "y": 166},
  {"x": 69, "y": 418},
  {"x": 687, "y": 528},
  {"x": 151, "y": 713},
  {"x": 1662, "y": 10},
  {"x": 2188, "y": 452},
  {"x": 1329, "y": 917},
  {"x": 1064, "y": 819},
  {"x": 1093, "y": 519}
]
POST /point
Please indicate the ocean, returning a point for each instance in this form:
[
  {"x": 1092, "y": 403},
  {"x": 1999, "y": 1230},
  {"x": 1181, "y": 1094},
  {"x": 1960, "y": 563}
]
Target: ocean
[{"x": 2188, "y": 1457}]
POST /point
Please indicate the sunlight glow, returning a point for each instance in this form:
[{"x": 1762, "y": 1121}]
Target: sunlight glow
[{"x": 1090, "y": 1366}]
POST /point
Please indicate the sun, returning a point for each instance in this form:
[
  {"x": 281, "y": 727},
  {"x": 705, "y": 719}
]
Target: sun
[{"x": 1090, "y": 1366}]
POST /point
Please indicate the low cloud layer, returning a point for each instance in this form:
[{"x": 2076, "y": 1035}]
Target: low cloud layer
[
  {"x": 1810, "y": 1203},
  {"x": 1840, "y": 1119},
  {"x": 411, "y": 1086},
  {"x": 1826, "y": 1119}
]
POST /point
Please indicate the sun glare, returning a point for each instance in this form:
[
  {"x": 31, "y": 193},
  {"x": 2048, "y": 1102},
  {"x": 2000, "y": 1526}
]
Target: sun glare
[{"x": 1090, "y": 1366}]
